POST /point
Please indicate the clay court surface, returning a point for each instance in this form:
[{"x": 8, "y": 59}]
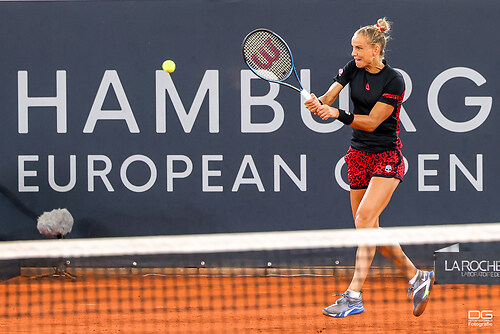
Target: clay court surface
[{"x": 157, "y": 304}]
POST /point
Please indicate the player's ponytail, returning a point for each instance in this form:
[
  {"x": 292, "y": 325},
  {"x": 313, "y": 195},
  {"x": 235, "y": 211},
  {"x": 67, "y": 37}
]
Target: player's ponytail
[{"x": 377, "y": 33}]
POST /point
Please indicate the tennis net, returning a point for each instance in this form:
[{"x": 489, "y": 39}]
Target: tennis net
[{"x": 266, "y": 282}]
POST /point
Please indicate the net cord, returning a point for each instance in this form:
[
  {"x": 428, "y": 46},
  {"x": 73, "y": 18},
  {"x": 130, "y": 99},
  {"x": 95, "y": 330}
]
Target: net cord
[{"x": 255, "y": 241}]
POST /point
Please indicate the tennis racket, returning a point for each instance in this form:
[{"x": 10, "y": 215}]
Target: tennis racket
[{"x": 270, "y": 58}]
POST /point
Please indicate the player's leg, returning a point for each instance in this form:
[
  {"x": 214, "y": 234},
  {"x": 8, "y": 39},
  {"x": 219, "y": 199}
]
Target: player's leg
[
  {"x": 393, "y": 253},
  {"x": 367, "y": 205},
  {"x": 391, "y": 165},
  {"x": 372, "y": 204},
  {"x": 421, "y": 282},
  {"x": 348, "y": 304}
]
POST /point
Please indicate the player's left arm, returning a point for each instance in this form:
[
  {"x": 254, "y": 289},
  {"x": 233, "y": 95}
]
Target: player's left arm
[{"x": 379, "y": 113}]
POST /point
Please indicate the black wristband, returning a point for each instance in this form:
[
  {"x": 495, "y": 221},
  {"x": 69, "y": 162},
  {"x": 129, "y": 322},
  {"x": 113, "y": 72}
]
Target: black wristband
[{"x": 345, "y": 117}]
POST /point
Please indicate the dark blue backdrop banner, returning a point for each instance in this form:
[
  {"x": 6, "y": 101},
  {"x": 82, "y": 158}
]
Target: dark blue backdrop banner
[{"x": 91, "y": 123}]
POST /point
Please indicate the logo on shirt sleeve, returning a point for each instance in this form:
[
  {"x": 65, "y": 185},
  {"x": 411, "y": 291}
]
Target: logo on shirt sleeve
[{"x": 391, "y": 96}]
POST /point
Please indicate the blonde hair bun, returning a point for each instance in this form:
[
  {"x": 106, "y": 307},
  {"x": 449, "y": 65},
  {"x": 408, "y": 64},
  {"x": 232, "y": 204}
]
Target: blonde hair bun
[{"x": 383, "y": 25}]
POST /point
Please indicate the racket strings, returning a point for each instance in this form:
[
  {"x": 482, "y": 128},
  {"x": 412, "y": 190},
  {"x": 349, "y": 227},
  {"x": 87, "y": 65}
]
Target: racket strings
[{"x": 267, "y": 55}]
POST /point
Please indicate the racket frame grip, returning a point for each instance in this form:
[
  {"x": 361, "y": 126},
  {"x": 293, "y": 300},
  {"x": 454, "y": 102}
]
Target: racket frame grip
[{"x": 305, "y": 94}]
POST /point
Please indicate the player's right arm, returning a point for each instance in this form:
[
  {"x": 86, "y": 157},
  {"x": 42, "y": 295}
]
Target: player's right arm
[
  {"x": 332, "y": 94},
  {"x": 326, "y": 99}
]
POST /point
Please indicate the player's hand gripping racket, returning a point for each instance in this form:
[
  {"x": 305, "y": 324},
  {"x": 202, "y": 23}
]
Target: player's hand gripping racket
[{"x": 270, "y": 58}]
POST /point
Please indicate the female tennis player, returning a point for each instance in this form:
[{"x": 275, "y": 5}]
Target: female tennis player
[{"x": 374, "y": 160}]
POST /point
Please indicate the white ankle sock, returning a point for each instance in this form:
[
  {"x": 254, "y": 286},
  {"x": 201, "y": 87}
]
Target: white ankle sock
[
  {"x": 414, "y": 279},
  {"x": 353, "y": 294}
]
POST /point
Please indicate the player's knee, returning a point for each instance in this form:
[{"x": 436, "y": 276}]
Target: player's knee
[{"x": 365, "y": 219}]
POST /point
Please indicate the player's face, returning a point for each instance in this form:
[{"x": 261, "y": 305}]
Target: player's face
[{"x": 362, "y": 51}]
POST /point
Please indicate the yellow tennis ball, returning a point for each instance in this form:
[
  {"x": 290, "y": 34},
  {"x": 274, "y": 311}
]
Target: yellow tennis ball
[{"x": 168, "y": 66}]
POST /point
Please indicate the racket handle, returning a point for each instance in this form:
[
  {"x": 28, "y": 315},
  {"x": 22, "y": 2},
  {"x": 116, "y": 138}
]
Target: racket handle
[{"x": 305, "y": 94}]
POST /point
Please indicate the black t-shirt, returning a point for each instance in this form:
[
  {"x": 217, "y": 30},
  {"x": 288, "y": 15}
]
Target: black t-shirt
[{"x": 367, "y": 89}]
